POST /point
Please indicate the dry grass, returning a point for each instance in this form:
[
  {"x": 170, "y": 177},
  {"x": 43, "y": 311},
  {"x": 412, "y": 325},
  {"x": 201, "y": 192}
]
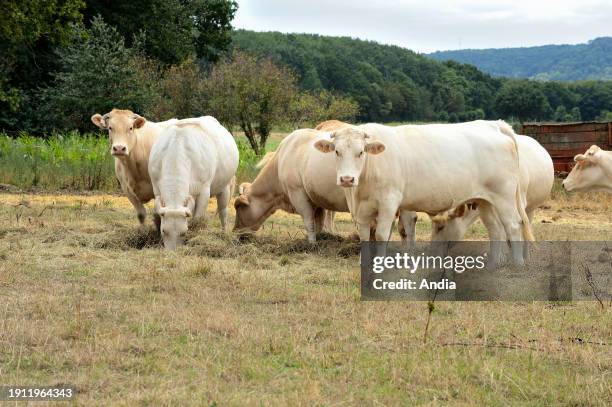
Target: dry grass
[{"x": 89, "y": 298}]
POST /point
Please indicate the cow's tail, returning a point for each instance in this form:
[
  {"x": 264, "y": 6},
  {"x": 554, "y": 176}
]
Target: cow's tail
[
  {"x": 265, "y": 160},
  {"x": 526, "y": 225}
]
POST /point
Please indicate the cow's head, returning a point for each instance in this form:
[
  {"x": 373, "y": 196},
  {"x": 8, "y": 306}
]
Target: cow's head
[
  {"x": 174, "y": 223},
  {"x": 251, "y": 210},
  {"x": 450, "y": 226},
  {"x": 121, "y": 125},
  {"x": 588, "y": 174},
  {"x": 350, "y": 146}
]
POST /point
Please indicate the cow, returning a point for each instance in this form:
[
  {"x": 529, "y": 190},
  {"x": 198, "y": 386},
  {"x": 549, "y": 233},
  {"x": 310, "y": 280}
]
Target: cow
[
  {"x": 537, "y": 178},
  {"x": 297, "y": 179},
  {"x": 191, "y": 161},
  {"x": 592, "y": 172},
  {"x": 131, "y": 138},
  {"x": 432, "y": 168}
]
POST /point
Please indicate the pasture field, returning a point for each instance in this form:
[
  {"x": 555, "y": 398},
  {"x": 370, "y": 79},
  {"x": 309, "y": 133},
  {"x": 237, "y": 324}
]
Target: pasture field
[{"x": 87, "y": 297}]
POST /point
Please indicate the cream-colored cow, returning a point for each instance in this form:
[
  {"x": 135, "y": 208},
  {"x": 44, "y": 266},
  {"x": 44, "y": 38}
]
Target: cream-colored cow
[
  {"x": 592, "y": 172},
  {"x": 131, "y": 138}
]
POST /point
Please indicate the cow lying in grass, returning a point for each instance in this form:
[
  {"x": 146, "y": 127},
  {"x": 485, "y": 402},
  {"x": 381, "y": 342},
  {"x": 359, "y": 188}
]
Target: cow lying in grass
[{"x": 592, "y": 172}]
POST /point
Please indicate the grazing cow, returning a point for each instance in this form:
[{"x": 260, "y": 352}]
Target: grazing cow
[
  {"x": 432, "y": 168},
  {"x": 131, "y": 138},
  {"x": 537, "y": 177},
  {"x": 592, "y": 172},
  {"x": 190, "y": 162},
  {"x": 297, "y": 179}
]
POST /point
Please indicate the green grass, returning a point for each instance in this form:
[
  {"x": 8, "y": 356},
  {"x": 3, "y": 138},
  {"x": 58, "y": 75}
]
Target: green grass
[{"x": 78, "y": 162}]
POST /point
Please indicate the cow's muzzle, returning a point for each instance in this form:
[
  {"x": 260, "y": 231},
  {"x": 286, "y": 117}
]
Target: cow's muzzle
[
  {"x": 119, "y": 150},
  {"x": 347, "y": 181}
]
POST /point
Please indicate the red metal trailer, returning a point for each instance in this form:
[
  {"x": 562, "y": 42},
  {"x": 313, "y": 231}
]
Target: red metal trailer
[{"x": 564, "y": 140}]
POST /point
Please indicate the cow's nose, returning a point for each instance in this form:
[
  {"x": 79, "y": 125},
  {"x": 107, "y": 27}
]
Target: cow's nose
[
  {"x": 347, "y": 180},
  {"x": 119, "y": 149}
]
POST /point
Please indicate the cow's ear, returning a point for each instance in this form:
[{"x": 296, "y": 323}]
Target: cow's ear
[
  {"x": 580, "y": 157},
  {"x": 99, "y": 121},
  {"x": 139, "y": 121},
  {"x": 241, "y": 201},
  {"x": 187, "y": 213},
  {"x": 459, "y": 211},
  {"x": 375, "y": 147},
  {"x": 325, "y": 146}
]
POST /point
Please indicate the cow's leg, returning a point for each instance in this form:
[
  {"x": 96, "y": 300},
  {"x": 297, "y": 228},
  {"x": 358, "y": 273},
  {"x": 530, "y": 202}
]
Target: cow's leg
[
  {"x": 328, "y": 222},
  {"x": 222, "y": 201},
  {"x": 319, "y": 219},
  {"x": 511, "y": 221},
  {"x": 303, "y": 207},
  {"x": 497, "y": 236},
  {"x": 530, "y": 214},
  {"x": 141, "y": 211},
  {"x": 201, "y": 204},
  {"x": 407, "y": 228}
]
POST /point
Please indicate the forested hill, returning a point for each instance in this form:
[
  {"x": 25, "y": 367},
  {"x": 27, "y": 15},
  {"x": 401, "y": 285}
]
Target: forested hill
[
  {"x": 388, "y": 82},
  {"x": 592, "y": 60}
]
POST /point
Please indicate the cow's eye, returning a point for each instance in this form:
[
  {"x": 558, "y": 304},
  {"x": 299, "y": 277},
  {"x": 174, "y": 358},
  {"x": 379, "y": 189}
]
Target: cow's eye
[
  {"x": 360, "y": 154},
  {"x": 337, "y": 154},
  {"x": 110, "y": 128},
  {"x": 131, "y": 128}
]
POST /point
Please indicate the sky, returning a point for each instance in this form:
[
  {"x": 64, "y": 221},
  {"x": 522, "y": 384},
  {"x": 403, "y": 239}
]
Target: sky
[{"x": 432, "y": 25}]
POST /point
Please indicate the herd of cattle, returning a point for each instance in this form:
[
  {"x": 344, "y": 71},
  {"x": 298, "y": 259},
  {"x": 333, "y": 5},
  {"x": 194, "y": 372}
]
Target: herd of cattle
[{"x": 456, "y": 173}]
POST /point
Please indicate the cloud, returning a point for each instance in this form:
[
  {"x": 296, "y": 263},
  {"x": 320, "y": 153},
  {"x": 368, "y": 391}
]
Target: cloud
[{"x": 426, "y": 26}]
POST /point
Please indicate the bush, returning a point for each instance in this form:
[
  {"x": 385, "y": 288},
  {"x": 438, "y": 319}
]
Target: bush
[{"x": 69, "y": 161}]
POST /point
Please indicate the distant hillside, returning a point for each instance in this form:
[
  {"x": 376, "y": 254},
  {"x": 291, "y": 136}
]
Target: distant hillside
[
  {"x": 389, "y": 83},
  {"x": 592, "y": 60}
]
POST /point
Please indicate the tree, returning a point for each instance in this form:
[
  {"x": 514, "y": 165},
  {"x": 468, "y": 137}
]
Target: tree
[
  {"x": 311, "y": 108},
  {"x": 29, "y": 31},
  {"x": 175, "y": 29},
  {"x": 252, "y": 93},
  {"x": 181, "y": 92},
  {"x": 522, "y": 99},
  {"x": 97, "y": 72}
]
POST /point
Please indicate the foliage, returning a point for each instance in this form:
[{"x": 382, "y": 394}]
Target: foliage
[
  {"x": 310, "y": 108},
  {"x": 252, "y": 93},
  {"x": 96, "y": 73},
  {"x": 592, "y": 60},
  {"x": 76, "y": 162},
  {"x": 175, "y": 29},
  {"x": 29, "y": 31},
  {"x": 181, "y": 92},
  {"x": 389, "y": 83},
  {"x": 69, "y": 161},
  {"x": 522, "y": 99}
]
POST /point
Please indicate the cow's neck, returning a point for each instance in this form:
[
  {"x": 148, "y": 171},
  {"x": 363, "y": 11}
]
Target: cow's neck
[{"x": 606, "y": 163}]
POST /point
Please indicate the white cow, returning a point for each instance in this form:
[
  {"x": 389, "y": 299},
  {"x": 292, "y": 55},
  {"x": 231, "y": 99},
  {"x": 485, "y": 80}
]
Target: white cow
[
  {"x": 537, "y": 178},
  {"x": 592, "y": 172},
  {"x": 432, "y": 168},
  {"x": 190, "y": 161}
]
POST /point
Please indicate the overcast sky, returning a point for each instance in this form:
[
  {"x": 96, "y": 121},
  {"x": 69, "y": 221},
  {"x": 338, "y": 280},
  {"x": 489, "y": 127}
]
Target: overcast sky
[{"x": 431, "y": 25}]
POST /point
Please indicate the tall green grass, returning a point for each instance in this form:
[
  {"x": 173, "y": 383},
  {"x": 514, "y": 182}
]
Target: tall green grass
[{"x": 73, "y": 161}]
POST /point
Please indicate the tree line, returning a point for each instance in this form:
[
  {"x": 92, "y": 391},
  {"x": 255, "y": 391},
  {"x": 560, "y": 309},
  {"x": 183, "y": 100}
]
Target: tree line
[
  {"x": 64, "y": 60},
  {"x": 391, "y": 83}
]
